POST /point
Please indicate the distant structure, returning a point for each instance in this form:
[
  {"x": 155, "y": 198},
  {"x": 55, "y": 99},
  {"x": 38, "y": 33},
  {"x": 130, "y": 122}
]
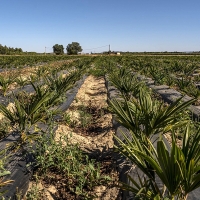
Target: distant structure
[
  {"x": 112, "y": 53},
  {"x": 82, "y": 53}
]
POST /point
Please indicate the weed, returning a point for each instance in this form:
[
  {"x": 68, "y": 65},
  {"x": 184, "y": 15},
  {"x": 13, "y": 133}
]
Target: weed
[
  {"x": 18, "y": 194},
  {"x": 85, "y": 118},
  {"x": 34, "y": 193},
  {"x": 76, "y": 100},
  {"x": 66, "y": 118},
  {"x": 73, "y": 170}
]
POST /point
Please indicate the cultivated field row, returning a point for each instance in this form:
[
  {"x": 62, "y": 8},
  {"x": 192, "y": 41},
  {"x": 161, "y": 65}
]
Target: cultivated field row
[{"x": 156, "y": 143}]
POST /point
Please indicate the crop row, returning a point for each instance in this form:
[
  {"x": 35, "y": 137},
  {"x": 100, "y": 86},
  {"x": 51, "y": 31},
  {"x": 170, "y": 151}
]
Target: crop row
[
  {"x": 180, "y": 73},
  {"x": 25, "y": 61},
  {"x": 148, "y": 119},
  {"x": 142, "y": 112},
  {"x": 34, "y": 103}
]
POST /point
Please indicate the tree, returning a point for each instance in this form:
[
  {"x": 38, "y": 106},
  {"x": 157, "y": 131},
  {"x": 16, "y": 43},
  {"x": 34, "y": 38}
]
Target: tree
[
  {"x": 58, "y": 49},
  {"x": 9, "y": 50},
  {"x": 73, "y": 48}
]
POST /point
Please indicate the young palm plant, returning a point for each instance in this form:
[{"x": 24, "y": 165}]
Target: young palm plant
[
  {"x": 26, "y": 112},
  {"x": 125, "y": 82},
  {"x": 158, "y": 75},
  {"x": 59, "y": 84},
  {"x": 21, "y": 81},
  {"x": 149, "y": 117},
  {"x": 41, "y": 71},
  {"x": 193, "y": 91},
  {"x": 169, "y": 79},
  {"x": 183, "y": 83},
  {"x": 177, "y": 167},
  {"x": 145, "y": 118},
  {"x": 5, "y": 82}
]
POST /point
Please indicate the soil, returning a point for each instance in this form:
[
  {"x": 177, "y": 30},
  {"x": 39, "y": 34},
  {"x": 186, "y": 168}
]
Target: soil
[{"x": 90, "y": 127}]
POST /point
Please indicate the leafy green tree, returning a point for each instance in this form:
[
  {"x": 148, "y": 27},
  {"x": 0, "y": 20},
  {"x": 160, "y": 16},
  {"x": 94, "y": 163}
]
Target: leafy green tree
[
  {"x": 17, "y": 50},
  {"x": 58, "y": 49},
  {"x": 9, "y": 50},
  {"x": 73, "y": 48},
  {"x": 3, "y": 49}
]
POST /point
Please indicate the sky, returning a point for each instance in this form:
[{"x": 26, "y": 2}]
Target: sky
[{"x": 125, "y": 25}]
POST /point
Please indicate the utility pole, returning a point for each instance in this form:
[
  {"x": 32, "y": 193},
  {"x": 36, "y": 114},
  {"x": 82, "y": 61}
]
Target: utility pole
[
  {"x": 109, "y": 56},
  {"x": 45, "y": 50}
]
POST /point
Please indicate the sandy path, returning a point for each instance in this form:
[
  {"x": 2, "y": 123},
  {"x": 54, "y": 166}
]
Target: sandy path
[{"x": 92, "y": 94}]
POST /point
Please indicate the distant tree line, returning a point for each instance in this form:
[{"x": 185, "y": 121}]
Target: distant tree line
[
  {"x": 72, "y": 49},
  {"x": 9, "y": 50}
]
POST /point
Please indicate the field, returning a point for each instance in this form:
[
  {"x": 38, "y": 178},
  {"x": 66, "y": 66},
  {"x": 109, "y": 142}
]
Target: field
[{"x": 100, "y": 127}]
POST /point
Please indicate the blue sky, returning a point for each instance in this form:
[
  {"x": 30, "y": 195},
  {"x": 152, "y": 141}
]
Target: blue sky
[{"x": 127, "y": 25}]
